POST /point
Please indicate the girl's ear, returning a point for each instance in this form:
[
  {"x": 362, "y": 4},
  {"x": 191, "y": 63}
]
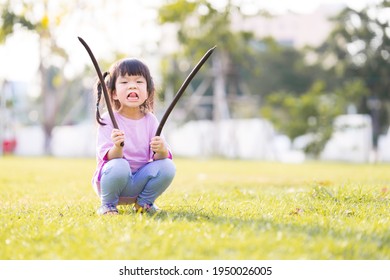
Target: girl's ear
[{"x": 114, "y": 95}]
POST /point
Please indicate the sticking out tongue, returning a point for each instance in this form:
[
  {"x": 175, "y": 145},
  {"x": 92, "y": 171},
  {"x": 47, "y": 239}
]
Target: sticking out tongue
[{"x": 132, "y": 96}]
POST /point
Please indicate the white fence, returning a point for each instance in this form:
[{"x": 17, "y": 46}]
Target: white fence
[
  {"x": 384, "y": 147},
  {"x": 240, "y": 138},
  {"x": 68, "y": 141},
  {"x": 351, "y": 139}
]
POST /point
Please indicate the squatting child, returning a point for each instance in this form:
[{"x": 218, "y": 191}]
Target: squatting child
[{"x": 142, "y": 169}]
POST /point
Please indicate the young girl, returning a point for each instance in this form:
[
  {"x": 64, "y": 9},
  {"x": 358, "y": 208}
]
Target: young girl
[{"x": 142, "y": 169}]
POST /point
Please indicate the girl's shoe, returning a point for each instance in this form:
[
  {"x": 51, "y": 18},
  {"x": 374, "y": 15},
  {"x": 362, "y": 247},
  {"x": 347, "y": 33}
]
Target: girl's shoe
[
  {"x": 147, "y": 208},
  {"x": 109, "y": 209}
]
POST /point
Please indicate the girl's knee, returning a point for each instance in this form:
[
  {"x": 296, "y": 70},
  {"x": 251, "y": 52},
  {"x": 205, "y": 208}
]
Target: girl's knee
[
  {"x": 119, "y": 163},
  {"x": 116, "y": 169},
  {"x": 168, "y": 168}
]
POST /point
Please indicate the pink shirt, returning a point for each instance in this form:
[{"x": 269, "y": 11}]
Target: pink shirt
[{"x": 138, "y": 134}]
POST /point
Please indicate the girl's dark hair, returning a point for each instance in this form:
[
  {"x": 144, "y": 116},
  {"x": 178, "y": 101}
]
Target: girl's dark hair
[{"x": 131, "y": 67}]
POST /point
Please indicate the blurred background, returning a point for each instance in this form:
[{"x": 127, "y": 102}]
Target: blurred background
[{"x": 289, "y": 81}]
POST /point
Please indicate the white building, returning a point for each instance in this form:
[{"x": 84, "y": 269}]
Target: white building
[{"x": 295, "y": 29}]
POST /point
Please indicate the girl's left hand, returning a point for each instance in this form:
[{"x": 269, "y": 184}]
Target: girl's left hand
[{"x": 157, "y": 145}]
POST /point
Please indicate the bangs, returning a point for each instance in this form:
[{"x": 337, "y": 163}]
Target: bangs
[{"x": 133, "y": 67}]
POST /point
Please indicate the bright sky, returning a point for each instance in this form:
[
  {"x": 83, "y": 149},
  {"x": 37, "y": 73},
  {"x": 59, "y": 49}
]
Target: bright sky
[{"x": 19, "y": 59}]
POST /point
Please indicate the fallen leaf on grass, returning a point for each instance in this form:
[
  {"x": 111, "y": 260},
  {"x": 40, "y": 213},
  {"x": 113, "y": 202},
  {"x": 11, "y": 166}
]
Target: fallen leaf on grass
[
  {"x": 349, "y": 212},
  {"x": 383, "y": 194},
  {"x": 296, "y": 211}
]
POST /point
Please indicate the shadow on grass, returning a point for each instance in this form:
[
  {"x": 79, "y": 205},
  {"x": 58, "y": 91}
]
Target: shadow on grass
[{"x": 290, "y": 228}]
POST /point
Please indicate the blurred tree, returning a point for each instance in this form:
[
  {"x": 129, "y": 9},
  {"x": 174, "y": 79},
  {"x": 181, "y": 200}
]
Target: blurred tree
[
  {"x": 58, "y": 104},
  {"x": 276, "y": 67},
  {"x": 250, "y": 68},
  {"x": 24, "y": 15},
  {"x": 312, "y": 112},
  {"x": 201, "y": 25},
  {"x": 359, "y": 47}
]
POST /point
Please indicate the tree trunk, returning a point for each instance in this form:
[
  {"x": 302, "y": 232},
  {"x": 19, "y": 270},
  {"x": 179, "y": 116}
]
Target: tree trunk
[
  {"x": 220, "y": 106},
  {"x": 48, "y": 103}
]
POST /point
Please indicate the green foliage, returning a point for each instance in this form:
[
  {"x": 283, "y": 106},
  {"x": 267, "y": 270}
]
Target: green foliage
[
  {"x": 261, "y": 64},
  {"x": 21, "y": 17},
  {"x": 353, "y": 64},
  {"x": 176, "y": 11},
  {"x": 232, "y": 209},
  {"x": 274, "y": 67},
  {"x": 201, "y": 26},
  {"x": 359, "y": 47},
  {"x": 10, "y": 20},
  {"x": 312, "y": 112}
]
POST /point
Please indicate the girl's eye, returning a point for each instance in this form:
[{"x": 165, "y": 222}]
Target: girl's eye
[{"x": 140, "y": 82}]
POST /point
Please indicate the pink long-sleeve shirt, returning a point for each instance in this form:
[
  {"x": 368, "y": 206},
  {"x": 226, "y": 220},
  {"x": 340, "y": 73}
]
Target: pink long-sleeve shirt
[{"x": 138, "y": 134}]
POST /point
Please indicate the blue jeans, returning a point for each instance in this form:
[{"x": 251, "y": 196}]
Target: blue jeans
[{"x": 144, "y": 186}]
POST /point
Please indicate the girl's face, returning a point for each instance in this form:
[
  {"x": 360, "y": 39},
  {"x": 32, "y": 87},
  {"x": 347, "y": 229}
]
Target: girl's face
[{"x": 130, "y": 91}]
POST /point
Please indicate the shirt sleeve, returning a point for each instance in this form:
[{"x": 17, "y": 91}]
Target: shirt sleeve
[{"x": 104, "y": 142}]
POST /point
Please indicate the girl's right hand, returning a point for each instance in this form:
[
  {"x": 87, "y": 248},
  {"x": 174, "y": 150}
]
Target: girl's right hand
[{"x": 117, "y": 137}]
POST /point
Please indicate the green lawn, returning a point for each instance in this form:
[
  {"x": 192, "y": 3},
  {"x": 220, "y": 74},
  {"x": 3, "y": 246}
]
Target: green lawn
[{"x": 215, "y": 209}]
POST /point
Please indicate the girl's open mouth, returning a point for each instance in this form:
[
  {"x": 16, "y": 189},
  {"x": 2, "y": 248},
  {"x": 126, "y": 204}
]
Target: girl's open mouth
[{"x": 132, "y": 96}]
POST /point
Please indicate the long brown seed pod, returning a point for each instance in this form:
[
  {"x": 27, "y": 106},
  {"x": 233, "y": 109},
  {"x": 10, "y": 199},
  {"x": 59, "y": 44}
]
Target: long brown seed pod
[
  {"x": 182, "y": 89},
  {"x": 105, "y": 92}
]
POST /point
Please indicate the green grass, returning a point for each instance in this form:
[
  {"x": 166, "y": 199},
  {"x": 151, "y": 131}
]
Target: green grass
[{"x": 215, "y": 209}]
